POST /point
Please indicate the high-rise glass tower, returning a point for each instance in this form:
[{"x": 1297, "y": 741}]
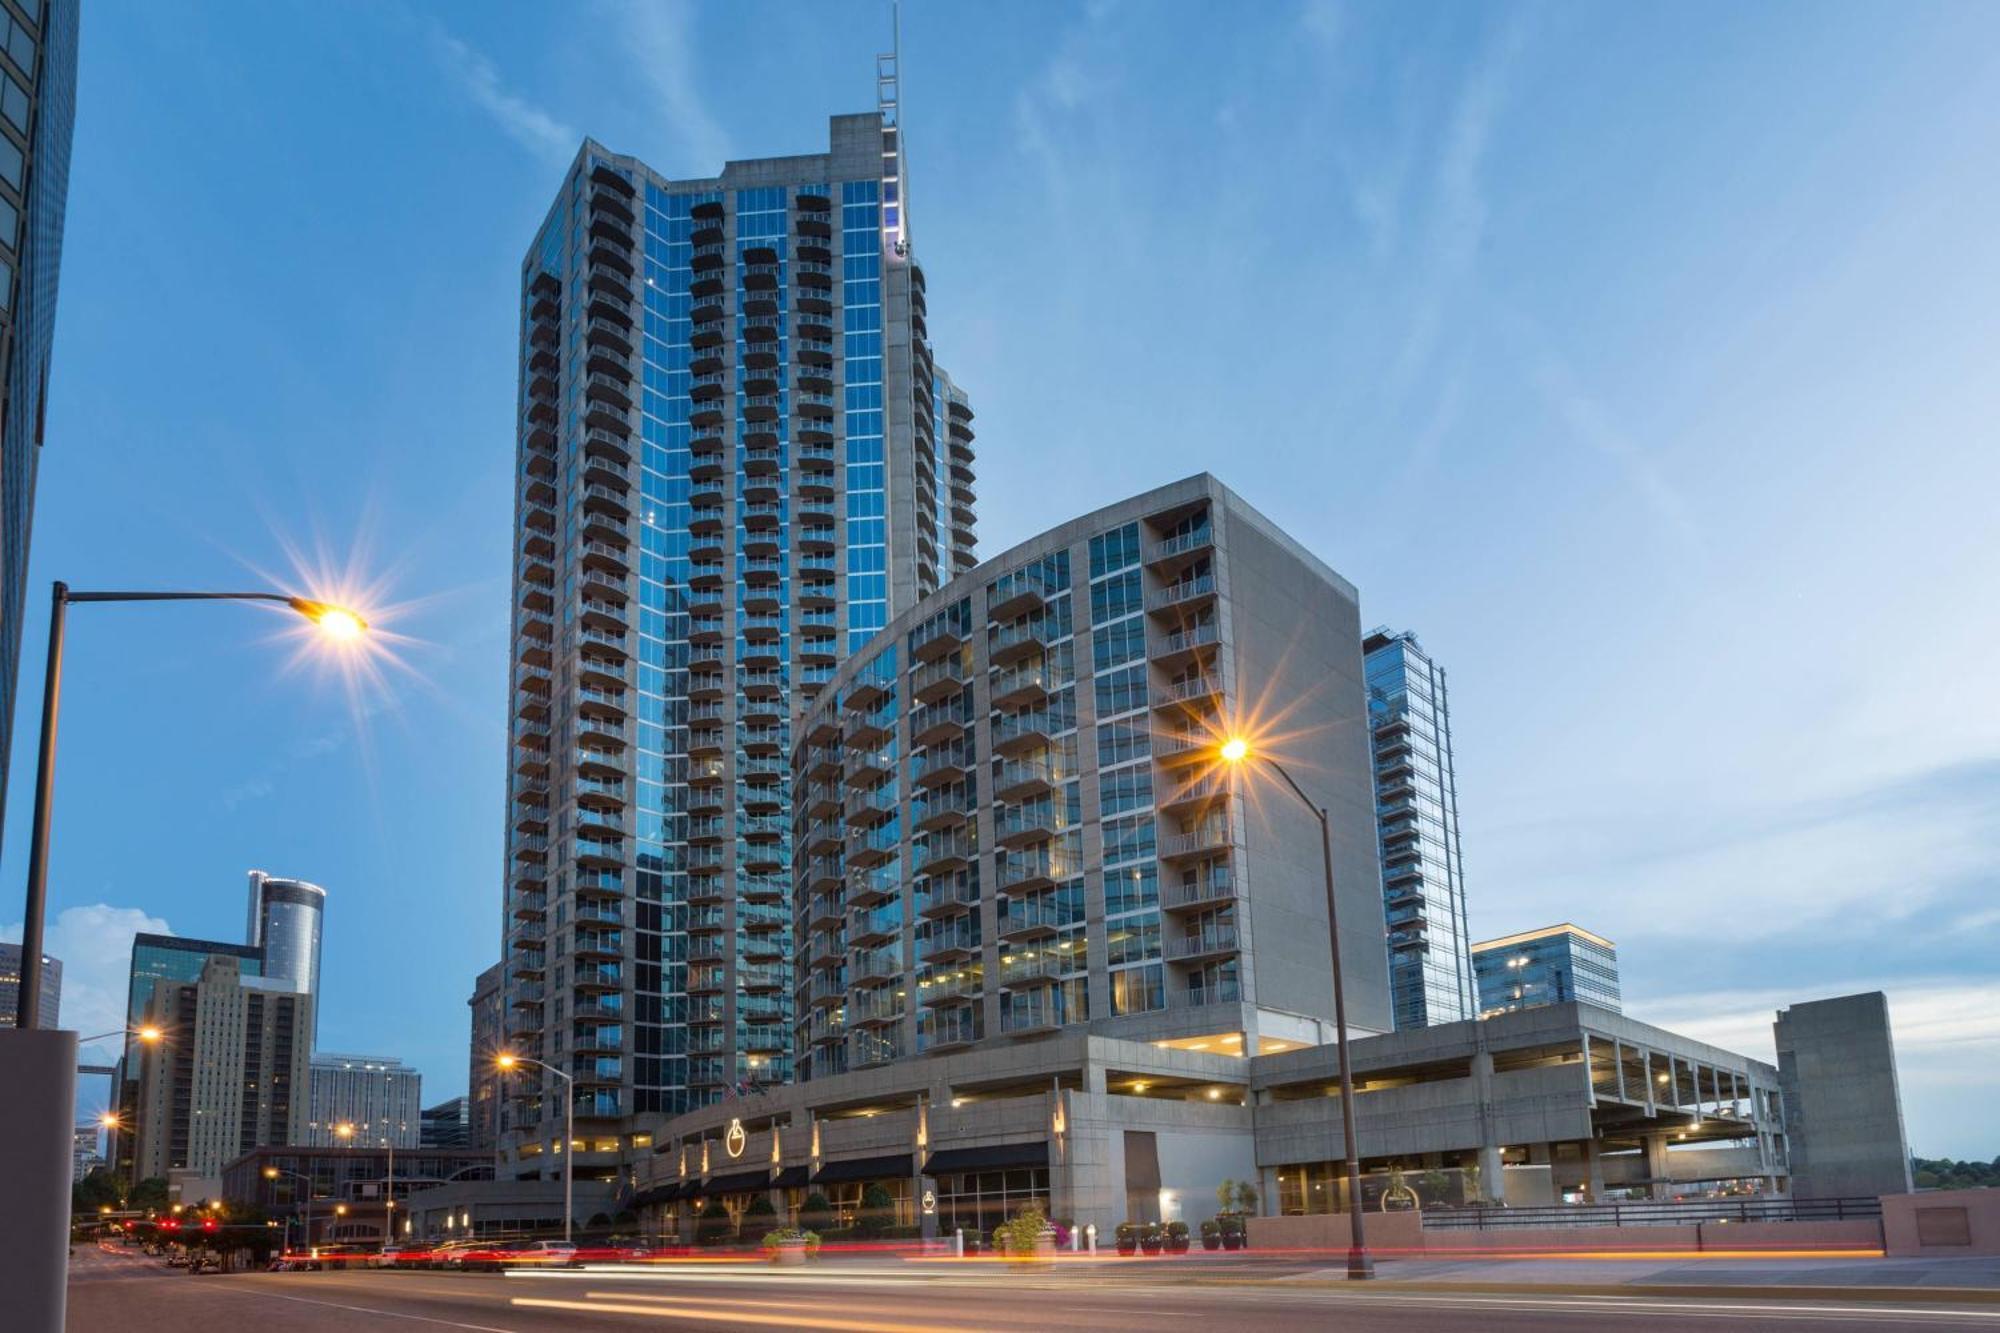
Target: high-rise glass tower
[
  {"x": 37, "y": 111},
  {"x": 285, "y": 921},
  {"x": 737, "y": 461},
  {"x": 1416, "y": 816}
]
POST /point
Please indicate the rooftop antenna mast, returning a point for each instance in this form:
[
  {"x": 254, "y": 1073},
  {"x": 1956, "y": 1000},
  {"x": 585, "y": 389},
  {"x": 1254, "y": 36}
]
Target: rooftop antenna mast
[{"x": 888, "y": 102}]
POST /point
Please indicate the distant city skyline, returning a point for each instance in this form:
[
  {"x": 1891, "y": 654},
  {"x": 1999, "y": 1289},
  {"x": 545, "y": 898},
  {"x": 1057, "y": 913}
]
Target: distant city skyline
[{"x": 1688, "y": 390}]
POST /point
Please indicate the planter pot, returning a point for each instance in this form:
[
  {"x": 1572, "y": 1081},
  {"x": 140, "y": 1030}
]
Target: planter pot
[
  {"x": 1232, "y": 1240},
  {"x": 1211, "y": 1242},
  {"x": 1128, "y": 1247},
  {"x": 1177, "y": 1245},
  {"x": 788, "y": 1255},
  {"x": 1150, "y": 1246}
]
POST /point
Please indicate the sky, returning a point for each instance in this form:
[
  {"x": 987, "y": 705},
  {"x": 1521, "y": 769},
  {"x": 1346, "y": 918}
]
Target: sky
[{"x": 1638, "y": 359}]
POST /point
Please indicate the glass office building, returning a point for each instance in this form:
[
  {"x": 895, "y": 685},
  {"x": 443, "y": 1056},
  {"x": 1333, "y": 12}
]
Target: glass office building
[
  {"x": 285, "y": 921},
  {"x": 1416, "y": 815},
  {"x": 1012, "y": 819},
  {"x": 10, "y": 988},
  {"x": 37, "y": 111},
  {"x": 737, "y": 461},
  {"x": 1549, "y": 966}
]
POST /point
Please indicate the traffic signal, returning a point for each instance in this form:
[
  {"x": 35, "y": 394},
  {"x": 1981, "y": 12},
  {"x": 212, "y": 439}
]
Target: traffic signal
[{"x": 208, "y": 1224}]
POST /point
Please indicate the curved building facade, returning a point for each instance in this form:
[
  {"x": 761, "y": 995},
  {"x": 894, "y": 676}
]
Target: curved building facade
[
  {"x": 285, "y": 921},
  {"x": 1011, "y": 819}
]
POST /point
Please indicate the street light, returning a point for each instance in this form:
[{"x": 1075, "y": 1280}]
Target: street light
[
  {"x": 508, "y": 1062},
  {"x": 272, "y": 1173},
  {"x": 337, "y": 623},
  {"x": 1234, "y": 751},
  {"x": 345, "y": 1132}
]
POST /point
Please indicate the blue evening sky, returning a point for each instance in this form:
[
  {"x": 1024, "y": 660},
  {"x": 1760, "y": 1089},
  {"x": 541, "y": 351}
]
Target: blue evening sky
[{"x": 1639, "y": 358}]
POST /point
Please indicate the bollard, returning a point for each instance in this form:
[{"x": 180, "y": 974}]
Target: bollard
[{"x": 958, "y": 1242}]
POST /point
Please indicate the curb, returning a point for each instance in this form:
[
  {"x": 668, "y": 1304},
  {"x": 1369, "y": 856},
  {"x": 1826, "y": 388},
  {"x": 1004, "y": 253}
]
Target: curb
[{"x": 1698, "y": 1291}]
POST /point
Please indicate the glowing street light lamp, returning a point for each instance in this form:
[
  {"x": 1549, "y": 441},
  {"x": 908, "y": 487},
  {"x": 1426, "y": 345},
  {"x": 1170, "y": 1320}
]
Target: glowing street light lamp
[
  {"x": 1236, "y": 751},
  {"x": 507, "y": 1062},
  {"x": 336, "y": 622}
]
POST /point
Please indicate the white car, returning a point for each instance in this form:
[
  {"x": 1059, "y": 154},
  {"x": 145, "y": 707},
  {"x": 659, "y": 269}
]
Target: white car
[{"x": 542, "y": 1254}]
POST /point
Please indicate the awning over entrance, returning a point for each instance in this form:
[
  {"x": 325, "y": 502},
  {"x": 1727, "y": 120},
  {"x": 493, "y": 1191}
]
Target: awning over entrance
[
  {"x": 951, "y": 1161},
  {"x": 890, "y": 1167},
  {"x": 658, "y": 1194},
  {"x": 743, "y": 1182},
  {"x": 792, "y": 1178}
]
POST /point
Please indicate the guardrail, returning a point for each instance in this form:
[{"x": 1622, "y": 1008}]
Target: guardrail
[{"x": 1652, "y": 1213}]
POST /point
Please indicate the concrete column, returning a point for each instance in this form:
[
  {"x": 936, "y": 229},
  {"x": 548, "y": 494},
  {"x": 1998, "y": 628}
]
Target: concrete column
[
  {"x": 1490, "y": 1181},
  {"x": 1656, "y": 1164},
  {"x": 1593, "y": 1170},
  {"x": 38, "y": 1071}
]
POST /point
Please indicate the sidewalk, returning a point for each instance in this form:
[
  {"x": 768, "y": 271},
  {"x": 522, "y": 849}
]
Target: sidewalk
[{"x": 1969, "y": 1279}]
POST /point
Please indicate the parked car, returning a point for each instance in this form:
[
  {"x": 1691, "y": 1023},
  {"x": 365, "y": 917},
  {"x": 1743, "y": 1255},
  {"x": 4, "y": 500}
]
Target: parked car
[
  {"x": 486, "y": 1256},
  {"x": 410, "y": 1254},
  {"x": 542, "y": 1254}
]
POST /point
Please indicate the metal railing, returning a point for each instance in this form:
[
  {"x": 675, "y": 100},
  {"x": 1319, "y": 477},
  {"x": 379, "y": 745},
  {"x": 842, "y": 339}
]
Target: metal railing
[{"x": 1657, "y": 1213}]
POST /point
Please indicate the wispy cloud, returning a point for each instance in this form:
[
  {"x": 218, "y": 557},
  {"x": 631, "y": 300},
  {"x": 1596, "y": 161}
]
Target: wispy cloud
[
  {"x": 524, "y": 122},
  {"x": 659, "y": 38},
  {"x": 95, "y": 946}
]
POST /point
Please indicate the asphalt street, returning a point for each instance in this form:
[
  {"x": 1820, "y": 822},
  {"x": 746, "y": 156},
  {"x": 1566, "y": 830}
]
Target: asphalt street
[{"x": 118, "y": 1291}]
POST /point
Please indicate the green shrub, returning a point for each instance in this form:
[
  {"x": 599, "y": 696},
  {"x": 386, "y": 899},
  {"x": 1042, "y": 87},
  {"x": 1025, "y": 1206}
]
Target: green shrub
[
  {"x": 714, "y": 1228},
  {"x": 1019, "y": 1236},
  {"x": 816, "y": 1214},
  {"x": 777, "y": 1236},
  {"x": 1177, "y": 1230},
  {"x": 878, "y": 1213}
]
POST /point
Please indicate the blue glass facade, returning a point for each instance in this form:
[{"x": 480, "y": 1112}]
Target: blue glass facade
[
  {"x": 711, "y": 451},
  {"x": 37, "y": 113},
  {"x": 1416, "y": 807},
  {"x": 1551, "y": 966}
]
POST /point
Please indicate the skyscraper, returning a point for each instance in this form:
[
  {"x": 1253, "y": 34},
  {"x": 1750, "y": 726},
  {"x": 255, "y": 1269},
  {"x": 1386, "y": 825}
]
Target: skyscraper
[
  {"x": 1416, "y": 816},
  {"x": 1553, "y": 965},
  {"x": 10, "y": 987},
  {"x": 37, "y": 111},
  {"x": 737, "y": 460},
  {"x": 489, "y": 1038},
  {"x": 228, "y": 1075},
  {"x": 285, "y": 920},
  {"x": 448, "y": 1124},
  {"x": 375, "y": 1098}
]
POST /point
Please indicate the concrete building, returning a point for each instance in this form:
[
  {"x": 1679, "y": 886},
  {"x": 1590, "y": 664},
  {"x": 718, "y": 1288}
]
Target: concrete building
[
  {"x": 1843, "y": 1105},
  {"x": 10, "y": 987},
  {"x": 1013, "y": 819},
  {"x": 38, "y": 40},
  {"x": 157, "y": 958},
  {"x": 737, "y": 459},
  {"x": 468, "y": 1208},
  {"x": 489, "y": 1038},
  {"x": 1553, "y": 965},
  {"x": 1416, "y": 812},
  {"x": 346, "y": 1187},
  {"x": 286, "y": 919},
  {"x": 85, "y": 1158},
  {"x": 376, "y": 1098},
  {"x": 228, "y": 1075},
  {"x": 1562, "y": 1102},
  {"x": 447, "y": 1125}
]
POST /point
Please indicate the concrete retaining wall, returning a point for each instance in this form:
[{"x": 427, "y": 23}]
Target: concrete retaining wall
[
  {"x": 1942, "y": 1222},
  {"x": 1404, "y": 1233}
]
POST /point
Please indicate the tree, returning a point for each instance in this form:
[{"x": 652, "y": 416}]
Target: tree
[
  {"x": 1246, "y": 1197},
  {"x": 1225, "y": 1196},
  {"x": 815, "y": 1214},
  {"x": 878, "y": 1212},
  {"x": 148, "y": 1193},
  {"x": 760, "y": 1217},
  {"x": 99, "y": 1189}
]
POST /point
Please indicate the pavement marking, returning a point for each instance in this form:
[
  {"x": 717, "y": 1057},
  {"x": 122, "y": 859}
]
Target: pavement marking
[
  {"x": 667, "y": 1307},
  {"x": 364, "y": 1309}
]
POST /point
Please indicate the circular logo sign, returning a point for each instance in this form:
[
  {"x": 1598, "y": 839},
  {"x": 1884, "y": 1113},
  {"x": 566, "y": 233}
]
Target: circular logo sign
[
  {"x": 734, "y": 1140},
  {"x": 930, "y": 1201}
]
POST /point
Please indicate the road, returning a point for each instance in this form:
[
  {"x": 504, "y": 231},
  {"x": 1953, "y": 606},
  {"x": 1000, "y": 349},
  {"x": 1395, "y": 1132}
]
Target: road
[{"x": 117, "y": 1291}]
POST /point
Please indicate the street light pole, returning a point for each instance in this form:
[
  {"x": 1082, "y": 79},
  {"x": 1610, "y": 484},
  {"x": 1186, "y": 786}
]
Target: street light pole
[
  {"x": 340, "y": 623},
  {"x": 569, "y": 1132},
  {"x": 1359, "y": 1265}
]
